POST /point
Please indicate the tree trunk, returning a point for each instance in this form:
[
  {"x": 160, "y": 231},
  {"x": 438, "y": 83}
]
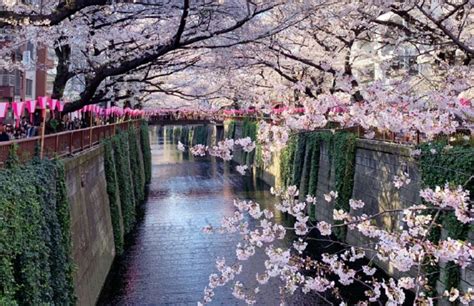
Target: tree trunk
[{"x": 62, "y": 71}]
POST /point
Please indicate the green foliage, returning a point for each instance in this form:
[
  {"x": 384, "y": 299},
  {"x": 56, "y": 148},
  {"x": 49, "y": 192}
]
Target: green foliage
[
  {"x": 249, "y": 129},
  {"x": 35, "y": 244},
  {"x": 12, "y": 160},
  {"x": 453, "y": 166},
  {"x": 113, "y": 194},
  {"x": 230, "y": 133},
  {"x": 64, "y": 219},
  {"x": 176, "y": 133},
  {"x": 343, "y": 157},
  {"x": 184, "y": 137},
  {"x": 127, "y": 162},
  {"x": 136, "y": 166},
  {"x": 258, "y": 160},
  {"x": 200, "y": 135},
  {"x": 306, "y": 168},
  {"x": 124, "y": 176},
  {"x": 298, "y": 160},
  {"x": 312, "y": 168},
  {"x": 286, "y": 162},
  {"x": 146, "y": 150}
]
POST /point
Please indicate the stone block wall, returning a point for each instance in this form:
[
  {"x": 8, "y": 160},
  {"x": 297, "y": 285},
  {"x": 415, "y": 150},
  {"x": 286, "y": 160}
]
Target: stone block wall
[
  {"x": 376, "y": 164},
  {"x": 91, "y": 226},
  {"x": 326, "y": 183}
]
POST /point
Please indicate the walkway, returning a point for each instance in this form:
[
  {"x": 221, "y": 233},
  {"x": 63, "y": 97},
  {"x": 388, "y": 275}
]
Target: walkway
[{"x": 170, "y": 259}]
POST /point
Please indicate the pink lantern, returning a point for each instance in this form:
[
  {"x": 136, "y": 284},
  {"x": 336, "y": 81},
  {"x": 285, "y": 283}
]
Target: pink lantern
[
  {"x": 31, "y": 106},
  {"x": 18, "y": 108},
  {"x": 4, "y": 109},
  {"x": 52, "y": 104},
  {"x": 60, "y": 106},
  {"x": 42, "y": 102}
]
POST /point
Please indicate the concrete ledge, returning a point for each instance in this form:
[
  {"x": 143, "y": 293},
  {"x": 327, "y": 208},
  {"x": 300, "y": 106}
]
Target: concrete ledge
[{"x": 82, "y": 157}]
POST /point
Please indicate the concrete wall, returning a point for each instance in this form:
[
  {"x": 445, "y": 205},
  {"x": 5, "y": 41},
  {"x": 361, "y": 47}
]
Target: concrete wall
[
  {"x": 91, "y": 225},
  {"x": 375, "y": 166}
]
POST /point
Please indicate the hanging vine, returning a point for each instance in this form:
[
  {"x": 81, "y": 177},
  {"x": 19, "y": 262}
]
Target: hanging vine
[
  {"x": 441, "y": 164},
  {"x": 35, "y": 244}
]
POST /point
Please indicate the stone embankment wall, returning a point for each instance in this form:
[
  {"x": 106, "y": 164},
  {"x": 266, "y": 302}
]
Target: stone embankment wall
[
  {"x": 105, "y": 187},
  {"x": 366, "y": 173},
  {"x": 91, "y": 224}
]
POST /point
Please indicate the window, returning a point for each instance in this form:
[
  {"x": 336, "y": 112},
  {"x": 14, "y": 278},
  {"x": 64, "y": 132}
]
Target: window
[{"x": 29, "y": 87}]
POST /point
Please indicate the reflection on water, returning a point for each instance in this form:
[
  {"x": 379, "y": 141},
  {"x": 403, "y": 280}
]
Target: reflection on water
[{"x": 169, "y": 259}]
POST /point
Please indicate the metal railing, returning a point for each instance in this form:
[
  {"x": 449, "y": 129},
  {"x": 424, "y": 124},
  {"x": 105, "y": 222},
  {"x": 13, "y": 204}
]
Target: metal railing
[{"x": 64, "y": 143}]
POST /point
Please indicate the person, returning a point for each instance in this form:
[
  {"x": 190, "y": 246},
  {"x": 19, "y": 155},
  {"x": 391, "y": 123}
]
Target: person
[
  {"x": 3, "y": 134},
  {"x": 32, "y": 131}
]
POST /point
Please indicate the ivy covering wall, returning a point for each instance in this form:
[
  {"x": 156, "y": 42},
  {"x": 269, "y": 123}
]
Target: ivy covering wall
[
  {"x": 309, "y": 180},
  {"x": 438, "y": 166},
  {"x": 35, "y": 244},
  {"x": 200, "y": 135},
  {"x": 300, "y": 165},
  {"x": 249, "y": 129},
  {"x": 286, "y": 162},
  {"x": 342, "y": 154},
  {"x": 230, "y": 132},
  {"x": 146, "y": 150},
  {"x": 127, "y": 162}
]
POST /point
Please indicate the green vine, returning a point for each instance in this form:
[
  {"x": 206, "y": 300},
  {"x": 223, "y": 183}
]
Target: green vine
[
  {"x": 342, "y": 155},
  {"x": 440, "y": 165},
  {"x": 249, "y": 129},
  {"x": 113, "y": 194},
  {"x": 184, "y": 137},
  {"x": 146, "y": 150},
  {"x": 122, "y": 166},
  {"x": 312, "y": 169},
  {"x": 136, "y": 167},
  {"x": 230, "y": 133},
  {"x": 35, "y": 245},
  {"x": 298, "y": 159},
  {"x": 200, "y": 135},
  {"x": 286, "y": 162}
]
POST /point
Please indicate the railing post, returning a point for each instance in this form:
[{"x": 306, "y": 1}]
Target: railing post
[{"x": 56, "y": 149}]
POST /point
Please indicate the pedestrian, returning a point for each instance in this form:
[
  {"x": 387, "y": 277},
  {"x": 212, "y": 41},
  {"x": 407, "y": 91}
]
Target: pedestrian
[{"x": 3, "y": 133}]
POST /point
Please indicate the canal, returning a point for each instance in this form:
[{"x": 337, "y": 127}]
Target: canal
[{"x": 169, "y": 258}]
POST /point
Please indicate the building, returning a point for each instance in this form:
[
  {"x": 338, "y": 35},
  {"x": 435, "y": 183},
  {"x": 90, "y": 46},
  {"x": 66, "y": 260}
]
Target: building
[{"x": 31, "y": 73}]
